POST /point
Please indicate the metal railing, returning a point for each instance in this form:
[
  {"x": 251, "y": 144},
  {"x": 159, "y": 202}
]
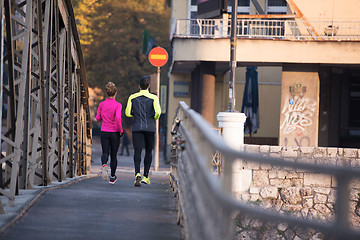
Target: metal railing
[
  {"x": 270, "y": 29},
  {"x": 205, "y": 201}
]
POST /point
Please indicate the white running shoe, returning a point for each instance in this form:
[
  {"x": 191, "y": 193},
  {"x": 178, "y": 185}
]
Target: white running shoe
[{"x": 104, "y": 173}]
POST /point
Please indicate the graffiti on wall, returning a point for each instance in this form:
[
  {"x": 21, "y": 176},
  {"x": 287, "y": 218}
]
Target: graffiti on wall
[{"x": 298, "y": 113}]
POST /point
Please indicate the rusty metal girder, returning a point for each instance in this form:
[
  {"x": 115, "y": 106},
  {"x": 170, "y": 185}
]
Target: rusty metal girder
[{"x": 44, "y": 96}]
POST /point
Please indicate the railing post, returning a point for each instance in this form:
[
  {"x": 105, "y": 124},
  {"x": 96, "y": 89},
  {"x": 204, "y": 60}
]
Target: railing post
[
  {"x": 232, "y": 128},
  {"x": 217, "y": 26}
]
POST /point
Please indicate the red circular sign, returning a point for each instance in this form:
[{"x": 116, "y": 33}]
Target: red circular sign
[{"x": 158, "y": 57}]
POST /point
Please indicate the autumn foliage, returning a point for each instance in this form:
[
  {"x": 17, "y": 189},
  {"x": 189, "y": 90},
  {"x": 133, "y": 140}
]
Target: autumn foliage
[{"x": 111, "y": 37}]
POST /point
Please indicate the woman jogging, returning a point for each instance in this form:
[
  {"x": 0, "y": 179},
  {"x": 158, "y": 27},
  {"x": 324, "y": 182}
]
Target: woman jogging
[{"x": 109, "y": 112}]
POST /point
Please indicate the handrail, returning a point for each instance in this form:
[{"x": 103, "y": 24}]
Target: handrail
[{"x": 199, "y": 140}]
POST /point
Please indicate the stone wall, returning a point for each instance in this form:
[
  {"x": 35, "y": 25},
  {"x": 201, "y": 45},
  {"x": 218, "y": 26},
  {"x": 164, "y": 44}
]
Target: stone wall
[{"x": 300, "y": 192}]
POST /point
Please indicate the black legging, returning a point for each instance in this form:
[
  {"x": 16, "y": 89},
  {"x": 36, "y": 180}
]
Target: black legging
[
  {"x": 110, "y": 141},
  {"x": 138, "y": 139}
]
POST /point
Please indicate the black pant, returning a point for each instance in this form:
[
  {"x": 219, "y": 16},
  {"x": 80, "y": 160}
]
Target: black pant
[
  {"x": 110, "y": 142},
  {"x": 138, "y": 139}
]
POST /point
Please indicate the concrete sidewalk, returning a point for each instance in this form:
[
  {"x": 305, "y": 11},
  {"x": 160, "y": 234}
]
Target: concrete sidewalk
[{"x": 94, "y": 209}]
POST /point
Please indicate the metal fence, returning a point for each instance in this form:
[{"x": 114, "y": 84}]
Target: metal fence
[
  {"x": 46, "y": 125},
  {"x": 207, "y": 209},
  {"x": 270, "y": 29}
]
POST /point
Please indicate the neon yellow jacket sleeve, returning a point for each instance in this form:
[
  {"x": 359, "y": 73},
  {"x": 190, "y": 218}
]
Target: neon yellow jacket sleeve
[
  {"x": 157, "y": 108},
  {"x": 128, "y": 107}
]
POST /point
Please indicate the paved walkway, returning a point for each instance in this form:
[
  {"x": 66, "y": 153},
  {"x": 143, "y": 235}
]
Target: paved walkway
[{"x": 94, "y": 209}]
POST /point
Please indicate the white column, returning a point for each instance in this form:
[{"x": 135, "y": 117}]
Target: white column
[{"x": 232, "y": 125}]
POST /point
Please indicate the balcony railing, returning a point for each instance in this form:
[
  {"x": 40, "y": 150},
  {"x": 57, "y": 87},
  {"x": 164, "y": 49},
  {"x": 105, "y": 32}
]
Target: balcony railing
[{"x": 270, "y": 29}]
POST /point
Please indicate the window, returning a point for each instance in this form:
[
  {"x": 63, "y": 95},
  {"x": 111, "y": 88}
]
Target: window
[
  {"x": 244, "y": 3},
  {"x": 193, "y": 14},
  {"x": 244, "y": 6},
  {"x": 277, "y": 3},
  {"x": 354, "y": 118},
  {"x": 276, "y": 7},
  {"x": 192, "y": 9}
]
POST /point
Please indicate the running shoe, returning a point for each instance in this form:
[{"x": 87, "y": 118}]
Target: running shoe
[
  {"x": 145, "y": 180},
  {"x": 137, "y": 181},
  {"x": 113, "y": 179},
  {"x": 104, "y": 173}
]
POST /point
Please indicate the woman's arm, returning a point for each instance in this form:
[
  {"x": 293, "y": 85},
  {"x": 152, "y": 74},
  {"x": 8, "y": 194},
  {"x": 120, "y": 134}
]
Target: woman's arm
[
  {"x": 118, "y": 118},
  {"x": 98, "y": 114}
]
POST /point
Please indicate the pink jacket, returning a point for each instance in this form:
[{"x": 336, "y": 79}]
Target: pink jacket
[{"x": 109, "y": 112}]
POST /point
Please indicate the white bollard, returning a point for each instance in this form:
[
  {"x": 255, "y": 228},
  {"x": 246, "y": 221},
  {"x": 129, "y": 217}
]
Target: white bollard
[{"x": 232, "y": 125}]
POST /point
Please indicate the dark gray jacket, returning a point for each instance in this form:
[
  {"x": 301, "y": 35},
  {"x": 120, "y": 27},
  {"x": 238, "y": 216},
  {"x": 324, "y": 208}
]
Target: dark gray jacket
[{"x": 144, "y": 108}]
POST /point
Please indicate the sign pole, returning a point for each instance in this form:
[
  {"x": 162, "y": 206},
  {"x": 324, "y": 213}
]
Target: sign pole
[
  {"x": 233, "y": 56},
  {"x": 157, "y": 124},
  {"x": 158, "y": 57}
]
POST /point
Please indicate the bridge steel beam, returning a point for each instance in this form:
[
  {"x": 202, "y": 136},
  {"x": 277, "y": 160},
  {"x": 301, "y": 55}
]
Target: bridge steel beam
[
  {"x": 47, "y": 134},
  {"x": 1, "y": 79}
]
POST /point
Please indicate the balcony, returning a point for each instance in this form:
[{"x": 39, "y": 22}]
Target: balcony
[
  {"x": 269, "y": 29},
  {"x": 265, "y": 42}
]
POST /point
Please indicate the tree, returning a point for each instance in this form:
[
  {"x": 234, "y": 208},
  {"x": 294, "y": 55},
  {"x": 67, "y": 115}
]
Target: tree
[{"x": 111, "y": 37}]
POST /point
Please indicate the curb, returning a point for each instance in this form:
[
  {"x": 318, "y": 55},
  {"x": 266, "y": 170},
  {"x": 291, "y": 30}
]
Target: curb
[{"x": 38, "y": 195}]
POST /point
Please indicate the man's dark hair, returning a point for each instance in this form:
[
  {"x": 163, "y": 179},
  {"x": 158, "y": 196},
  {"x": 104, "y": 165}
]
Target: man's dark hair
[{"x": 144, "y": 82}]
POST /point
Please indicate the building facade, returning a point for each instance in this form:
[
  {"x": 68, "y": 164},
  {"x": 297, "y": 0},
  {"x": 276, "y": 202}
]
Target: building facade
[{"x": 307, "y": 55}]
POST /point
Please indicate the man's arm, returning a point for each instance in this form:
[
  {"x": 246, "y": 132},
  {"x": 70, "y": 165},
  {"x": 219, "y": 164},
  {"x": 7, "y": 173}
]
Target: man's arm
[
  {"x": 128, "y": 107},
  {"x": 157, "y": 108}
]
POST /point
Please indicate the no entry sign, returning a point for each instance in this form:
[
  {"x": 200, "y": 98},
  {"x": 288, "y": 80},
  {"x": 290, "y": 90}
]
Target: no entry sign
[{"x": 158, "y": 57}]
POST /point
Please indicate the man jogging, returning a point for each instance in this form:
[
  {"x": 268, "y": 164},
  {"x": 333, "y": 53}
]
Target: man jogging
[{"x": 144, "y": 108}]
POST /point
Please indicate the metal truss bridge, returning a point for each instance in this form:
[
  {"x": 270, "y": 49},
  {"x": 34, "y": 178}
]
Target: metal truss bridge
[{"x": 45, "y": 118}]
